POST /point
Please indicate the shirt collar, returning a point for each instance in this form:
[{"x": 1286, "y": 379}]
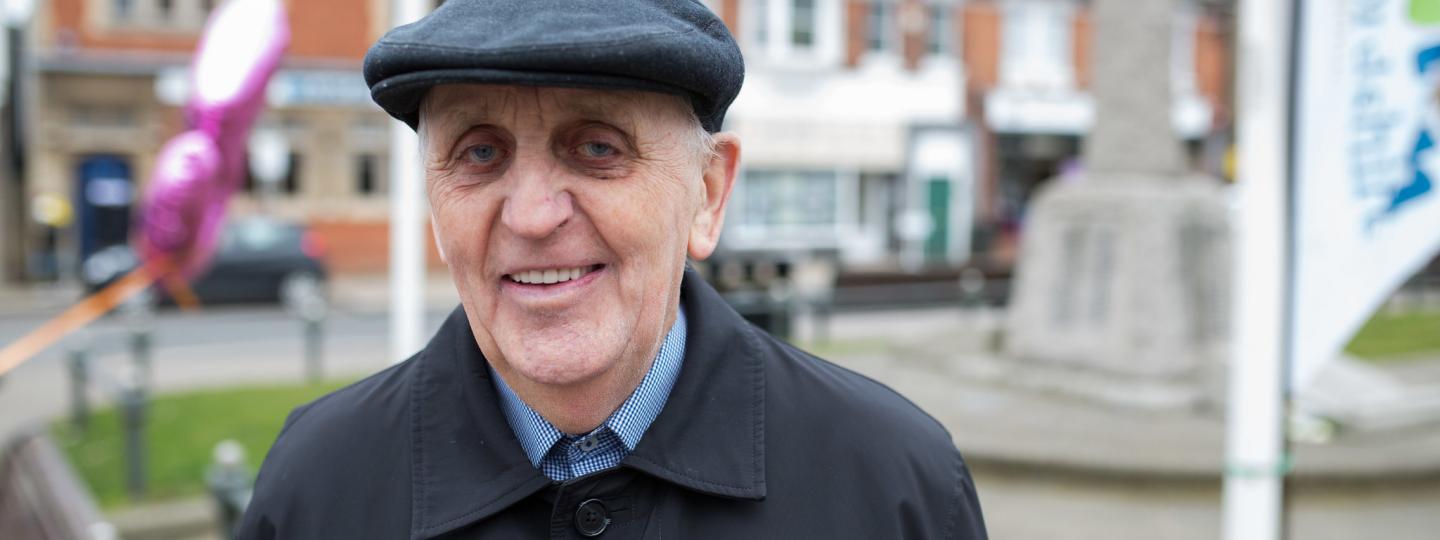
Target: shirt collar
[{"x": 628, "y": 423}]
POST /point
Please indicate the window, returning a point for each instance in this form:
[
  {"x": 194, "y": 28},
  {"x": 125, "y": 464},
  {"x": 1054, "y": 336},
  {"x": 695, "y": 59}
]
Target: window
[
  {"x": 1035, "y": 44},
  {"x": 760, "y": 20},
  {"x": 802, "y": 23},
  {"x": 937, "y": 40},
  {"x": 173, "y": 16},
  {"x": 291, "y": 184},
  {"x": 123, "y": 9},
  {"x": 881, "y": 26},
  {"x": 788, "y": 198},
  {"x": 288, "y": 185},
  {"x": 367, "y": 177}
]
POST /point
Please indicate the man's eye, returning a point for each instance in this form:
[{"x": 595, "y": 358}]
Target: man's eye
[
  {"x": 484, "y": 153},
  {"x": 597, "y": 150}
]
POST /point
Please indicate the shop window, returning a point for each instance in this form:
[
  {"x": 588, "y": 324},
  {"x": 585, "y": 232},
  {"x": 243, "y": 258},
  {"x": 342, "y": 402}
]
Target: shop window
[{"x": 789, "y": 198}]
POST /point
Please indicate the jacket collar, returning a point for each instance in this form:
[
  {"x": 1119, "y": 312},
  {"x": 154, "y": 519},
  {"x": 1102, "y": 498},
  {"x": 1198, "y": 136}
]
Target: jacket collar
[
  {"x": 710, "y": 437},
  {"x": 467, "y": 464}
]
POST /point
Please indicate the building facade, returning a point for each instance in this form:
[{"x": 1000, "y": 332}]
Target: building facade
[
  {"x": 854, "y": 130},
  {"x": 112, "y": 78},
  {"x": 909, "y": 133},
  {"x": 891, "y": 134}
]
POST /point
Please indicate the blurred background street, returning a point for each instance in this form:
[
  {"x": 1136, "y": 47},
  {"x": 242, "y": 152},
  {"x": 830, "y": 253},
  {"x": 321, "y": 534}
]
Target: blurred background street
[{"x": 1024, "y": 215}]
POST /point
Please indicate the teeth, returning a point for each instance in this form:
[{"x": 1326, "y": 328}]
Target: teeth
[{"x": 548, "y": 277}]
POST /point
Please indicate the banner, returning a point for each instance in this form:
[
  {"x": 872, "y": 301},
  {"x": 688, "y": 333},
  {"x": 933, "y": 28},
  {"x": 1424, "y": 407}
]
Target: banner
[{"x": 1367, "y": 207}]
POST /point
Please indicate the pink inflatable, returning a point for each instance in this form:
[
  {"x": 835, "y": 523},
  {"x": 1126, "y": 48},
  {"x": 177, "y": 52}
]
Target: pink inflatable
[{"x": 198, "y": 170}]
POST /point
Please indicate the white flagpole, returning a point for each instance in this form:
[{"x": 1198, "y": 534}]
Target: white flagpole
[
  {"x": 407, "y": 234},
  {"x": 1254, "y": 447}
]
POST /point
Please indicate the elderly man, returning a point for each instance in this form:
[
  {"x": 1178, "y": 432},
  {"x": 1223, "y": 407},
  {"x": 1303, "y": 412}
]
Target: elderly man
[{"x": 589, "y": 384}]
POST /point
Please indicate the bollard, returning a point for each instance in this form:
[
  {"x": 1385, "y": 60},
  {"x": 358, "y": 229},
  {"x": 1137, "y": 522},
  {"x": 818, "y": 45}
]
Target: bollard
[
  {"x": 140, "y": 350},
  {"x": 313, "y": 349},
  {"x": 972, "y": 288},
  {"x": 230, "y": 483},
  {"x": 78, "y": 358},
  {"x": 306, "y": 300},
  {"x": 132, "y": 412},
  {"x": 140, "y": 311}
]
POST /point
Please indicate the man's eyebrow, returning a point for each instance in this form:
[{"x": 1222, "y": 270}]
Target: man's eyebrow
[
  {"x": 610, "y": 109},
  {"x": 457, "y": 119}
]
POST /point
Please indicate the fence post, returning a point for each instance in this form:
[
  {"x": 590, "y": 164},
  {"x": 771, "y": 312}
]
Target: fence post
[
  {"x": 132, "y": 412},
  {"x": 78, "y": 358}
]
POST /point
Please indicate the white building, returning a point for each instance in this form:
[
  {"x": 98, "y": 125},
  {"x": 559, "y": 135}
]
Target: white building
[{"x": 852, "y": 119}]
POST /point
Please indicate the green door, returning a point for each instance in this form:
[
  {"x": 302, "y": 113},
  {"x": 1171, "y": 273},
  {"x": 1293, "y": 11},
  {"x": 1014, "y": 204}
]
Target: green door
[{"x": 938, "y": 243}]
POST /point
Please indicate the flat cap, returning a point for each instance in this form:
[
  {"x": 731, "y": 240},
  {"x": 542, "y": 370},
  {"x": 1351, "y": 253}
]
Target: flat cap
[{"x": 670, "y": 46}]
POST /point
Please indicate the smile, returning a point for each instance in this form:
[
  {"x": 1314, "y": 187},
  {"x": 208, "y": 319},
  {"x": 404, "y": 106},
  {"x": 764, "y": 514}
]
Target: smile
[{"x": 551, "y": 276}]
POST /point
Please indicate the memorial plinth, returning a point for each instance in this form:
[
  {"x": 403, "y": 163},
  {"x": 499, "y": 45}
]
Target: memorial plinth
[{"x": 1121, "y": 294}]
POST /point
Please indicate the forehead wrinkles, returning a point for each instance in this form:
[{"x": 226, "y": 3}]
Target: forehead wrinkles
[{"x": 462, "y": 106}]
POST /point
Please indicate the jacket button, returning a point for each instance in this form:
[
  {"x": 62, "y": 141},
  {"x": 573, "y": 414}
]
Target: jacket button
[{"x": 591, "y": 518}]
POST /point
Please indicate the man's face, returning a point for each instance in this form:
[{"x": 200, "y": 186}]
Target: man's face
[{"x": 565, "y": 216}]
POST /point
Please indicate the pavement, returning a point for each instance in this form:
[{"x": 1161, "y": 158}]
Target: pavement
[{"x": 1090, "y": 471}]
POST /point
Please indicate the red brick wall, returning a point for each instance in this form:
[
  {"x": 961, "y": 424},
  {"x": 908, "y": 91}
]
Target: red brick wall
[
  {"x": 319, "y": 29},
  {"x": 330, "y": 28},
  {"x": 1080, "y": 41},
  {"x": 730, "y": 13},
  {"x": 1212, "y": 74},
  {"x": 981, "y": 46},
  {"x": 857, "y": 17}
]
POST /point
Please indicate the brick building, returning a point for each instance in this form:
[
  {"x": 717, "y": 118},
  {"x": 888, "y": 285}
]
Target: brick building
[
  {"x": 855, "y": 131},
  {"x": 111, "y": 80},
  {"x": 890, "y": 133},
  {"x": 914, "y": 132}
]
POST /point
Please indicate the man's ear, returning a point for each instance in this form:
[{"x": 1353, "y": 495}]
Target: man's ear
[{"x": 719, "y": 179}]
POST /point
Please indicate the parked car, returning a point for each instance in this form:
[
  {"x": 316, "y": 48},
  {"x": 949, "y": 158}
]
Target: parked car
[{"x": 258, "y": 260}]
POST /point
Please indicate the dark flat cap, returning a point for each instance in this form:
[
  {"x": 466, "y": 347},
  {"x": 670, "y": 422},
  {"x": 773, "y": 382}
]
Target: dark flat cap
[{"x": 670, "y": 46}]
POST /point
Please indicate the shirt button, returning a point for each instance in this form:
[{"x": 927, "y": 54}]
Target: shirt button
[
  {"x": 591, "y": 518},
  {"x": 589, "y": 443}
]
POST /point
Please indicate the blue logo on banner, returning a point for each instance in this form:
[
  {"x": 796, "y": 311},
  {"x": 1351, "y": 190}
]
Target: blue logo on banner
[{"x": 1420, "y": 182}]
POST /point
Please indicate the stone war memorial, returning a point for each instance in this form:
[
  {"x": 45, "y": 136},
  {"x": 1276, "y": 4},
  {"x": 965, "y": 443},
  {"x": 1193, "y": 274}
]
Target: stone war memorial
[{"x": 1122, "y": 276}]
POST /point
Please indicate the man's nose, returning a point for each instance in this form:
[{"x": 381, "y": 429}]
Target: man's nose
[{"x": 537, "y": 205}]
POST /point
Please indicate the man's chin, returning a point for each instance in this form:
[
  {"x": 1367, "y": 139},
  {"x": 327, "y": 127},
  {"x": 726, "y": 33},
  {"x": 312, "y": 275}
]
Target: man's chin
[{"x": 560, "y": 369}]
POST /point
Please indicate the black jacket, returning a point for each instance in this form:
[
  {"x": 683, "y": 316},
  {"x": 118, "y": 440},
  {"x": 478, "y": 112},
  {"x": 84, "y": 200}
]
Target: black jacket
[{"x": 758, "y": 440}]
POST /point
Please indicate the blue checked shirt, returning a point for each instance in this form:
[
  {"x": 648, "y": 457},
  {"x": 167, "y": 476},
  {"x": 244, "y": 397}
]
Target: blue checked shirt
[{"x": 562, "y": 457}]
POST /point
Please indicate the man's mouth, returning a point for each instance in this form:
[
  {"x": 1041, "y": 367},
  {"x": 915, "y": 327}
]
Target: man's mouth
[{"x": 551, "y": 276}]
